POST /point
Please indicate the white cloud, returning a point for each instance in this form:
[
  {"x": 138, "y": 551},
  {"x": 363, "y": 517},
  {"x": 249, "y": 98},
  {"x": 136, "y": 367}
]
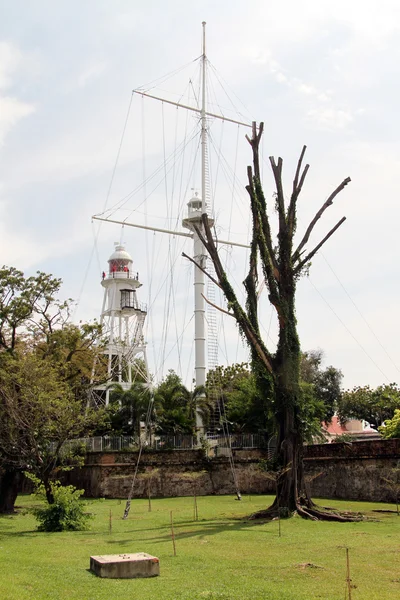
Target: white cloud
[
  {"x": 10, "y": 58},
  {"x": 330, "y": 118},
  {"x": 91, "y": 72},
  {"x": 12, "y": 109}
]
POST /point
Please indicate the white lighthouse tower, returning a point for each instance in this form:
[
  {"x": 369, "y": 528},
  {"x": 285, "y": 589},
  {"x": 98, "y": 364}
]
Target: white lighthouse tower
[{"x": 122, "y": 317}]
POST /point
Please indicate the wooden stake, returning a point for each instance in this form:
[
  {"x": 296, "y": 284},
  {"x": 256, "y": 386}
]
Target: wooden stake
[
  {"x": 173, "y": 534},
  {"x": 110, "y": 523},
  {"x": 149, "y": 494},
  {"x": 279, "y": 508},
  {"x": 348, "y": 579},
  {"x": 196, "y": 514}
]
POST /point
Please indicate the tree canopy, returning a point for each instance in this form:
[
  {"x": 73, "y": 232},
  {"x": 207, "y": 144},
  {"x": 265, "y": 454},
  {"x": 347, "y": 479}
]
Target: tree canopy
[
  {"x": 391, "y": 427},
  {"x": 176, "y": 406},
  {"x": 372, "y": 405},
  {"x": 46, "y": 371}
]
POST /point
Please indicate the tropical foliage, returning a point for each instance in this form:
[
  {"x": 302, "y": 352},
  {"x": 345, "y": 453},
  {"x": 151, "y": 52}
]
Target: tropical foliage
[
  {"x": 373, "y": 405},
  {"x": 176, "y": 406},
  {"x": 46, "y": 371},
  {"x": 238, "y": 399},
  {"x": 65, "y": 513},
  {"x": 391, "y": 427}
]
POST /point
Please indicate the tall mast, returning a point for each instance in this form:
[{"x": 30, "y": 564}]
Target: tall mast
[
  {"x": 196, "y": 207},
  {"x": 198, "y": 248},
  {"x": 203, "y": 123}
]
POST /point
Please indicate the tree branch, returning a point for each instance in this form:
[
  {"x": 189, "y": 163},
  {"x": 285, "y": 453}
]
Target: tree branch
[
  {"x": 296, "y": 191},
  {"x": 218, "y": 307},
  {"x": 201, "y": 269},
  {"x": 311, "y": 254},
  {"x": 240, "y": 315},
  {"x": 254, "y": 143},
  {"x": 280, "y": 200},
  {"x": 311, "y": 226}
]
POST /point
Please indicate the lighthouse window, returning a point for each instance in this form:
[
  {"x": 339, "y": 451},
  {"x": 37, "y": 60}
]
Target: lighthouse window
[{"x": 128, "y": 299}]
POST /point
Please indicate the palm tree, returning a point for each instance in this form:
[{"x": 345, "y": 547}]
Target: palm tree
[
  {"x": 177, "y": 406},
  {"x": 130, "y": 407},
  {"x": 199, "y": 403}
]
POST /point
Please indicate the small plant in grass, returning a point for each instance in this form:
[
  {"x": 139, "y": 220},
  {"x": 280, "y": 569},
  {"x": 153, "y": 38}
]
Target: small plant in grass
[{"x": 66, "y": 513}]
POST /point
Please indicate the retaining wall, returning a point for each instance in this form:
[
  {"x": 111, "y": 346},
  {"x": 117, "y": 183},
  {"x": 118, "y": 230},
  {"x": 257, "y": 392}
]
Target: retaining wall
[{"x": 348, "y": 471}]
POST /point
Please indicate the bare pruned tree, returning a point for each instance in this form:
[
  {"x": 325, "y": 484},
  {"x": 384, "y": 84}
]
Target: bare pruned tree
[{"x": 281, "y": 265}]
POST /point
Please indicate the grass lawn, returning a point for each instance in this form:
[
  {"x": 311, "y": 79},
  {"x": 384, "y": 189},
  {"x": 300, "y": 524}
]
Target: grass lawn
[{"x": 219, "y": 557}]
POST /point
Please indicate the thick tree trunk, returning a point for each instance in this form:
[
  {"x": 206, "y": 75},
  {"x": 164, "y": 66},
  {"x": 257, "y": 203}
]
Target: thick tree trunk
[
  {"x": 289, "y": 444},
  {"x": 291, "y": 491},
  {"x": 10, "y": 482}
]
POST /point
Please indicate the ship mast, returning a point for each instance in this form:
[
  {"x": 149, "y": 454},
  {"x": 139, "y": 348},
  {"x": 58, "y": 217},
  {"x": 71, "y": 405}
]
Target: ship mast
[
  {"x": 199, "y": 253},
  {"x": 203, "y": 123}
]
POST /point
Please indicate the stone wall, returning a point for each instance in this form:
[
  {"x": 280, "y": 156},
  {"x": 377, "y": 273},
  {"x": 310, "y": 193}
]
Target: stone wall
[
  {"x": 348, "y": 471},
  {"x": 173, "y": 473},
  {"x": 352, "y": 471}
]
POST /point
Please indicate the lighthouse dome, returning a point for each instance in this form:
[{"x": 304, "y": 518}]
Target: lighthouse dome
[{"x": 120, "y": 254}]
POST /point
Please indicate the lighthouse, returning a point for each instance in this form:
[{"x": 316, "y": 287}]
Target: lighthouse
[{"x": 122, "y": 318}]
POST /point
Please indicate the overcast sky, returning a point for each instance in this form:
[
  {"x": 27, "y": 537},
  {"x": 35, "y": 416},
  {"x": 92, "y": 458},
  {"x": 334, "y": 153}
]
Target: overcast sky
[{"x": 319, "y": 73}]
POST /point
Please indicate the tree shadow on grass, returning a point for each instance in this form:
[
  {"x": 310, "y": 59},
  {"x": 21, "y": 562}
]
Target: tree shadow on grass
[{"x": 196, "y": 529}]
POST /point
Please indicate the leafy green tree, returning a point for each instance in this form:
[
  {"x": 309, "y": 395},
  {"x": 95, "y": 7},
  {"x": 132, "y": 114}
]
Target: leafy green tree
[
  {"x": 326, "y": 382},
  {"x": 238, "y": 398},
  {"x": 312, "y": 411},
  {"x": 372, "y": 405},
  {"x": 38, "y": 413},
  {"x": 391, "y": 427},
  {"x": 46, "y": 371},
  {"x": 250, "y": 411},
  {"x": 28, "y": 303}
]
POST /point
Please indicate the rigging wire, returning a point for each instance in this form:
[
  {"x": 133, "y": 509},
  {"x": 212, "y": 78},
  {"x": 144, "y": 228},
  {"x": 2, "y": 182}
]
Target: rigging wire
[
  {"x": 141, "y": 445},
  {"x": 181, "y": 196},
  {"x": 159, "y": 369},
  {"x": 120, "y": 203},
  {"x": 347, "y": 329},
  {"x": 167, "y": 302},
  {"x": 152, "y": 84},
  {"x": 149, "y": 253},
  {"x": 232, "y": 181},
  {"x": 220, "y": 79},
  {"x": 97, "y": 232},
  {"x": 360, "y": 313}
]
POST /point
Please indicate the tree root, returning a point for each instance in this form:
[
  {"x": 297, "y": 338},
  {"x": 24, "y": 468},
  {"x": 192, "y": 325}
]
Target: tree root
[
  {"x": 266, "y": 515},
  {"x": 323, "y": 515},
  {"x": 307, "y": 511}
]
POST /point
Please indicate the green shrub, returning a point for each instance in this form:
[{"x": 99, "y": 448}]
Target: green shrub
[{"x": 66, "y": 513}]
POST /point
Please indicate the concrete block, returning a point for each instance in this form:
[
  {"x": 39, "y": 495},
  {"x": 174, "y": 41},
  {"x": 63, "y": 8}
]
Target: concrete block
[{"x": 125, "y": 566}]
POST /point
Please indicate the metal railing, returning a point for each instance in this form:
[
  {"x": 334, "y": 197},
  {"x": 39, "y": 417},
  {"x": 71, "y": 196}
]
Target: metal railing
[{"x": 169, "y": 442}]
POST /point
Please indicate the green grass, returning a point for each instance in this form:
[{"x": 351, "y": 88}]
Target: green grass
[{"x": 220, "y": 557}]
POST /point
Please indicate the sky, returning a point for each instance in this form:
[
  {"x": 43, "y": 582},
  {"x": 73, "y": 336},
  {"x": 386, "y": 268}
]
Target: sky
[{"x": 317, "y": 73}]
